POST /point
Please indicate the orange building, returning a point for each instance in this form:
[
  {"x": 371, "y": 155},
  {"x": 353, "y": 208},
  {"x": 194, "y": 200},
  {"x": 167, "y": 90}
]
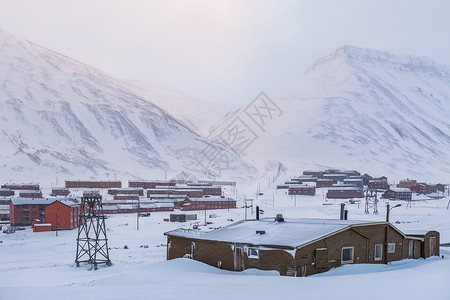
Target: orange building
[
  {"x": 41, "y": 227},
  {"x": 63, "y": 214}
]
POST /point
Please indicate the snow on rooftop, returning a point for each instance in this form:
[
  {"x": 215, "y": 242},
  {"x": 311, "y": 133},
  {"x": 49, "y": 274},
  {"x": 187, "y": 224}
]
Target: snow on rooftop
[
  {"x": 343, "y": 187},
  {"x": 291, "y": 233},
  {"x": 400, "y": 190},
  {"x": 36, "y": 201}
]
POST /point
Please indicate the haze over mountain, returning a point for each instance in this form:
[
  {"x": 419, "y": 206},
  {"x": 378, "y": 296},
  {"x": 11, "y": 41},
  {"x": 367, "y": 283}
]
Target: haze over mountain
[
  {"x": 62, "y": 118},
  {"x": 359, "y": 109}
]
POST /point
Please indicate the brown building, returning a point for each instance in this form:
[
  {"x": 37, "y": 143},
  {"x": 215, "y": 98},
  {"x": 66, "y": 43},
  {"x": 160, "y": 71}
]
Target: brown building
[
  {"x": 406, "y": 184},
  {"x": 60, "y": 191},
  {"x": 149, "y": 184},
  {"x": 63, "y": 214},
  {"x": 21, "y": 186},
  {"x": 30, "y": 194},
  {"x": 127, "y": 191},
  {"x": 345, "y": 192},
  {"x": 317, "y": 174},
  {"x": 380, "y": 183},
  {"x": 423, "y": 188},
  {"x": 87, "y": 184},
  {"x": 397, "y": 194},
  {"x": 209, "y": 203},
  {"x": 325, "y": 183},
  {"x": 299, "y": 247},
  {"x": 302, "y": 189}
]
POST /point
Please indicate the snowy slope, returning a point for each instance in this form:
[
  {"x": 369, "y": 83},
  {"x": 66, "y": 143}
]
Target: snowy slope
[
  {"x": 197, "y": 114},
  {"x": 59, "y": 117},
  {"x": 361, "y": 109}
]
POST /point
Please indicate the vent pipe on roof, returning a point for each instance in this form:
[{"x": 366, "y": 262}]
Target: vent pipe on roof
[
  {"x": 342, "y": 211},
  {"x": 257, "y": 212},
  {"x": 345, "y": 214}
]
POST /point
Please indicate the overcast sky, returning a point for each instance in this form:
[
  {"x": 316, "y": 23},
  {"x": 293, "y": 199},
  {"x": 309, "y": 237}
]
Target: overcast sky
[{"x": 225, "y": 51}]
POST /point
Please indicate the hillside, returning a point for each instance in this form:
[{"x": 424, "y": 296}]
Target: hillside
[
  {"x": 60, "y": 117},
  {"x": 361, "y": 109}
]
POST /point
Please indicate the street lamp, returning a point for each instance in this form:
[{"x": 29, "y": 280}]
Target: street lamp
[{"x": 389, "y": 209}]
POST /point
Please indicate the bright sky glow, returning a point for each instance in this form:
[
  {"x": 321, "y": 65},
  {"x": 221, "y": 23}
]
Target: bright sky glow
[{"x": 225, "y": 51}]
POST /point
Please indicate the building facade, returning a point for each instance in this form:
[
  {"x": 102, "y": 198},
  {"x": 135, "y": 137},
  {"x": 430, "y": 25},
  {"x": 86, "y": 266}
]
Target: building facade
[
  {"x": 63, "y": 214},
  {"x": 345, "y": 192},
  {"x": 299, "y": 247},
  {"x": 397, "y": 194},
  {"x": 302, "y": 189}
]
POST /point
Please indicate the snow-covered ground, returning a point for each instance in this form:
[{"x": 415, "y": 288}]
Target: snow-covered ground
[{"x": 40, "y": 265}]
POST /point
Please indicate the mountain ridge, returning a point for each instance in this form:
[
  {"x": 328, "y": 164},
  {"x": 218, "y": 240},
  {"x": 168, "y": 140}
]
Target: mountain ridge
[
  {"x": 64, "y": 118},
  {"x": 355, "y": 110}
]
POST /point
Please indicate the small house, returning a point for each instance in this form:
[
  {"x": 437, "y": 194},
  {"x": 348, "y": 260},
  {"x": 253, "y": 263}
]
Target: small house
[{"x": 299, "y": 247}]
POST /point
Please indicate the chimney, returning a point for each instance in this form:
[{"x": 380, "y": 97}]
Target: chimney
[
  {"x": 257, "y": 212},
  {"x": 342, "y": 211}
]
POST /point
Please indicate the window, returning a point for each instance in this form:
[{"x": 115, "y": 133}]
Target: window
[
  {"x": 253, "y": 253},
  {"x": 347, "y": 255},
  {"x": 391, "y": 248},
  {"x": 378, "y": 251}
]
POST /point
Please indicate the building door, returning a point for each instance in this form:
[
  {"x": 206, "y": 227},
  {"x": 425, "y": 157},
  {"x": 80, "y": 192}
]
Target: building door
[
  {"x": 410, "y": 249},
  {"x": 238, "y": 259},
  {"x": 432, "y": 246}
]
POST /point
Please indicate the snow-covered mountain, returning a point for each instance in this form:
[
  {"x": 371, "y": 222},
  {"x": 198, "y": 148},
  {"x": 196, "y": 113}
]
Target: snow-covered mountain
[
  {"x": 197, "y": 114},
  {"x": 62, "y": 118},
  {"x": 358, "y": 109}
]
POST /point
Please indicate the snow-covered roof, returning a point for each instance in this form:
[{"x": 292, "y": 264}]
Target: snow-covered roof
[
  {"x": 42, "y": 225},
  {"x": 208, "y": 199},
  {"x": 400, "y": 190},
  {"x": 338, "y": 188},
  {"x": 300, "y": 185},
  {"x": 69, "y": 203},
  {"x": 291, "y": 233},
  {"x": 36, "y": 201},
  {"x": 164, "y": 204},
  {"x": 166, "y": 196}
]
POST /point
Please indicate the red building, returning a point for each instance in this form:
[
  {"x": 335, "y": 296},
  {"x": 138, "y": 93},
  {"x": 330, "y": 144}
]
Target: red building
[
  {"x": 208, "y": 203},
  {"x": 42, "y": 227},
  {"x": 190, "y": 191},
  {"x": 22, "y": 186},
  {"x": 423, "y": 188},
  {"x": 4, "y": 213},
  {"x": 63, "y": 214},
  {"x": 325, "y": 183},
  {"x": 149, "y": 184},
  {"x": 60, "y": 191},
  {"x": 345, "y": 192},
  {"x": 127, "y": 191},
  {"x": 126, "y": 197},
  {"x": 397, "y": 194},
  {"x": 22, "y": 211},
  {"x": 378, "y": 183},
  {"x": 314, "y": 173},
  {"x": 133, "y": 208},
  {"x": 30, "y": 194},
  {"x": 408, "y": 183},
  {"x": 93, "y": 184},
  {"x": 302, "y": 189}
]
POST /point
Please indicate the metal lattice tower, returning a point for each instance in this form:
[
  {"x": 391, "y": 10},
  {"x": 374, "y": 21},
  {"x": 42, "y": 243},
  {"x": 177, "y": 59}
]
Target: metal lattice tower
[
  {"x": 92, "y": 243},
  {"x": 371, "y": 201}
]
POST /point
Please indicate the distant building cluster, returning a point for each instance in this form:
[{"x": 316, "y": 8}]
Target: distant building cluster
[
  {"x": 26, "y": 205},
  {"x": 345, "y": 184}
]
